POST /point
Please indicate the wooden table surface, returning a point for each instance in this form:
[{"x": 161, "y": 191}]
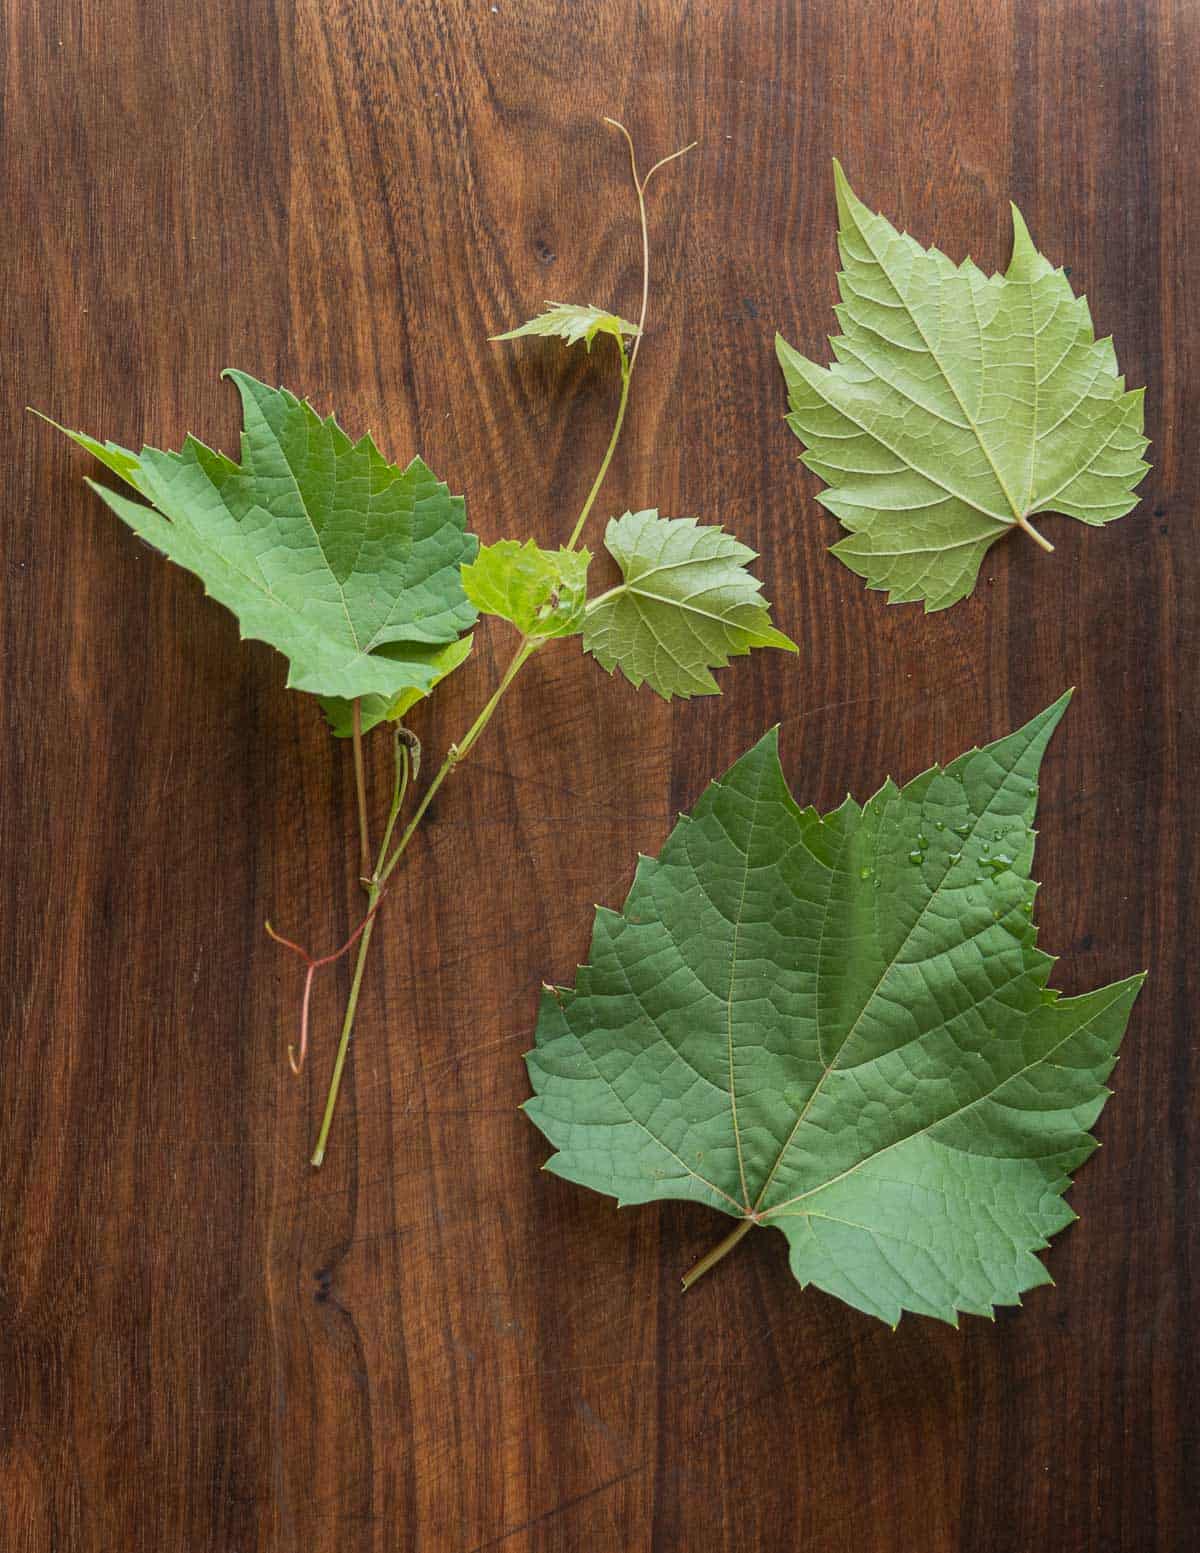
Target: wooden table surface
[{"x": 430, "y": 1344}]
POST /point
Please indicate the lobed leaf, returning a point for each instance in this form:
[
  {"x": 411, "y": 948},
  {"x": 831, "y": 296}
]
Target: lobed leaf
[
  {"x": 343, "y": 562},
  {"x": 838, "y": 1026},
  {"x": 686, "y": 605},
  {"x": 572, "y": 322},
  {"x": 958, "y": 407}
]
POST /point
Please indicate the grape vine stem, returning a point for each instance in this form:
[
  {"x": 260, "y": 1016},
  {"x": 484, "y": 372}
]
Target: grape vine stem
[{"x": 376, "y": 880}]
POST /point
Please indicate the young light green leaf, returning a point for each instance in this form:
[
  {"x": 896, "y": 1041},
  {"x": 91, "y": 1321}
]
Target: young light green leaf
[
  {"x": 958, "y": 407},
  {"x": 346, "y": 564},
  {"x": 839, "y": 1026},
  {"x": 379, "y": 709},
  {"x": 542, "y": 592},
  {"x": 572, "y": 322},
  {"x": 687, "y": 605}
]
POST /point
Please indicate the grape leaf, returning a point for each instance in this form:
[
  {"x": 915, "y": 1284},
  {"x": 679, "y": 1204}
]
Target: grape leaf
[
  {"x": 542, "y": 592},
  {"x": 687, "y": 605},
  {"x": 572, "y": 322},
  {"x": 959, "y": 405},
  {"x": 346, "y": 564},
  {"x": 839, "y": 1026},
  {"x": 380, "y": 709}
]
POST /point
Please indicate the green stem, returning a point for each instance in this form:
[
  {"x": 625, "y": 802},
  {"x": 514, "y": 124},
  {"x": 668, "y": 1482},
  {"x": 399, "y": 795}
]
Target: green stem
[
  {"x": 717, "y": 1252},
  {"x": 335, "y": 1084},
  {"x": 459, "y": 751},
  {"x": 374, "y": 891},
  {"x": 626, "y": 376},
  {"x": 385, "y": 865},
  {"x": 360, "y": 790}
]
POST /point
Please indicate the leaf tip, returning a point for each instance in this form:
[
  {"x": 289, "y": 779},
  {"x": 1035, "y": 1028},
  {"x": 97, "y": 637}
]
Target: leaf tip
[
  {"x": 1064, "y": 701},
  {"x": 848, "y": 203},
  {"x": 1026, "y": 263}
]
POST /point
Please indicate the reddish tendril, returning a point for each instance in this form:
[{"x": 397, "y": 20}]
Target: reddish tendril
[{"x": 296, "y": 1060}]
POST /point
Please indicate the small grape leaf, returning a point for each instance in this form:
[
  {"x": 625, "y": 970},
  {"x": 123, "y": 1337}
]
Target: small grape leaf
[
  {"x": 379, "y": 709},
  {"x": 839, "y": 1026},
  {"x": 542, "y": 592},
  {"x": 572, "y": 322},
  {"x": 348, "y": 565},
  {"x": 687, "y": 605},
  {"x": 959, "y": 405}
]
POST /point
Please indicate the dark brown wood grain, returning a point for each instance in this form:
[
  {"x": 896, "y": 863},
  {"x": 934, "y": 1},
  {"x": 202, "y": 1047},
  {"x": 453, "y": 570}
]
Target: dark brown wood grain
[{"x": 206, "y": 1347}]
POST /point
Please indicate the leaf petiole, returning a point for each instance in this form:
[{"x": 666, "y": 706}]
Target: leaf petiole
[
  {"x": 711, "y": 1258},
  {"x": 1024, "y": 524},
  {"x": 360, "y": 791}
]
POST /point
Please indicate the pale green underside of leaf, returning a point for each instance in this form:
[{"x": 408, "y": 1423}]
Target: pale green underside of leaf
[
  {"x": 541, "y": 592},
  {"x": 841, "y": 1023},
  {"x": 346, "y": 564},
  {"x": 380, "y": 709},
  {"x": 957, "y": 403},
  {"x": 686, "y": 606},
  {"x": 572, "y": 322}
]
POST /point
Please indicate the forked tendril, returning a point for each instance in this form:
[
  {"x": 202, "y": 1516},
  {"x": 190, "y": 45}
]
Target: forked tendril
[
  {"x": 296, "y": 1055},
  {"x": 641, "y": 184},
  {"x": 407, "y": 751}
]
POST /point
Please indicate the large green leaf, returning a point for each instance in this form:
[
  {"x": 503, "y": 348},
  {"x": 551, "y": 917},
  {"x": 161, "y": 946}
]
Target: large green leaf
[
  {"x": 839, "y": 1026},
  {"x": 686, "y": 605},
  {"x": 959, "y": 406},
  {"x": 346, "y": 564}
]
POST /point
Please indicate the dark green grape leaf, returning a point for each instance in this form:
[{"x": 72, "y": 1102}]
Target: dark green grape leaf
[{"x": 838, "y": 1026}]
